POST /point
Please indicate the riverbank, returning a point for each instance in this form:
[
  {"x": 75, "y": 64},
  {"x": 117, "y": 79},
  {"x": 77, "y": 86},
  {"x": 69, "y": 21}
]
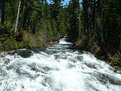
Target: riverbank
[
  {"x": 28, "y": 40},
  {"x": 102, "y": 51},
  {"x": 25, "y": 39}
]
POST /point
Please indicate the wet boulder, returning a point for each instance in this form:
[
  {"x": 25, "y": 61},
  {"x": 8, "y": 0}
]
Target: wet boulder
[{"x": 24, "y": 53}]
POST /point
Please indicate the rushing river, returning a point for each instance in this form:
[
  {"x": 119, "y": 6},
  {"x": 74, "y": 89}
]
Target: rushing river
[{"x": 57, "y": 68}]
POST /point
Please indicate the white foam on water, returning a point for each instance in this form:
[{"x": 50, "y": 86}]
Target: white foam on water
[
  {"x": 62, "y": 41},
  {"x": 60, "y": 71}
]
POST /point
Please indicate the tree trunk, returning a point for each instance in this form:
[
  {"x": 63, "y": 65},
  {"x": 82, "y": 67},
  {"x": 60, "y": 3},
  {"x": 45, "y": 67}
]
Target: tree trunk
[
  {"x": 18, "y": 13},
  {"x": 94, "y": 15},
  {"x": 2, "y": 11},
  {"x": 102, "y": 23},
  {"x": 86, "y": 21}
]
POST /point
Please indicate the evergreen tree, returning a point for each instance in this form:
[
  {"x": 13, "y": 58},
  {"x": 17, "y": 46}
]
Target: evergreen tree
[{"x": 74, "y": 15}]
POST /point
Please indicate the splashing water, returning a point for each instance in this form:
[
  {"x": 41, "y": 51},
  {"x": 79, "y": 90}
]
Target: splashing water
[{"x": 56, "y": 68}]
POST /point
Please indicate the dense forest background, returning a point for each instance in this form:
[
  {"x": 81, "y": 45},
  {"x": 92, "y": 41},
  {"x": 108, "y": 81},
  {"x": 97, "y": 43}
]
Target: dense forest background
[{"x": 92, "y": 25}]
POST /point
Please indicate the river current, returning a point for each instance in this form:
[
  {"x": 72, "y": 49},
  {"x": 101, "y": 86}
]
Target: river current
[{"x": 56, "y": 68}]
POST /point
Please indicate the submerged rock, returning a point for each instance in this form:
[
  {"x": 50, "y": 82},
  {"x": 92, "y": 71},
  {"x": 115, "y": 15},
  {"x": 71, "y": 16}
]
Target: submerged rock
[{"x": 25, "y": 53}]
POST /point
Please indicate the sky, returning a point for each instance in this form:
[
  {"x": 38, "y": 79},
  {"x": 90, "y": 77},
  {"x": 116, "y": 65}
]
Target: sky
[{"x": 65, "y": 1}]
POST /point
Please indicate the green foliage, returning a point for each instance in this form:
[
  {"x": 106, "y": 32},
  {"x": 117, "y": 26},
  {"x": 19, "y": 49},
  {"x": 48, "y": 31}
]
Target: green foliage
[
  {"x": 24, "y": 44},
  {"x": 4, "y": 30},
  {"x": 82, "y": 41},
  {"x": 9, "y": 44},
  {"x": 101, "y": 28},
  {"x": 90, "y": 44},
  {"x": 94, "y": 27},
  {"x": 74, "y": 11},
  {"x": 94, "y": 46},
  {"x": 115, "y": 59},
  {"x": 10, "y": 10},
  {"x": 39, "y": 23}
]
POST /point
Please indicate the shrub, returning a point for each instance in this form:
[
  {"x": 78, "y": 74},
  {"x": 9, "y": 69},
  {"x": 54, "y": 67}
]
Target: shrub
[
  {"x": 9, "y": 44},
  {"x": 115, "y": 59}
]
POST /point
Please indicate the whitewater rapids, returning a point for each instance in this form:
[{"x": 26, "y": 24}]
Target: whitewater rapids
[{"x": 56, "y": 68}]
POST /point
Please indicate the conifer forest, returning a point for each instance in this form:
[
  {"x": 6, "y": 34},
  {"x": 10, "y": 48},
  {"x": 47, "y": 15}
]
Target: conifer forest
[{"x": 91, "y": 25}]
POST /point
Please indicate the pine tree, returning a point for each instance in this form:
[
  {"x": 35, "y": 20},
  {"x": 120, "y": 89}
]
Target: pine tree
[{"x": 74, "y": 14}]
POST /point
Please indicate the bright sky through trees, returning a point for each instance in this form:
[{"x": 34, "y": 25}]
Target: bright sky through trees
[{"x": 65, "y": 1}]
